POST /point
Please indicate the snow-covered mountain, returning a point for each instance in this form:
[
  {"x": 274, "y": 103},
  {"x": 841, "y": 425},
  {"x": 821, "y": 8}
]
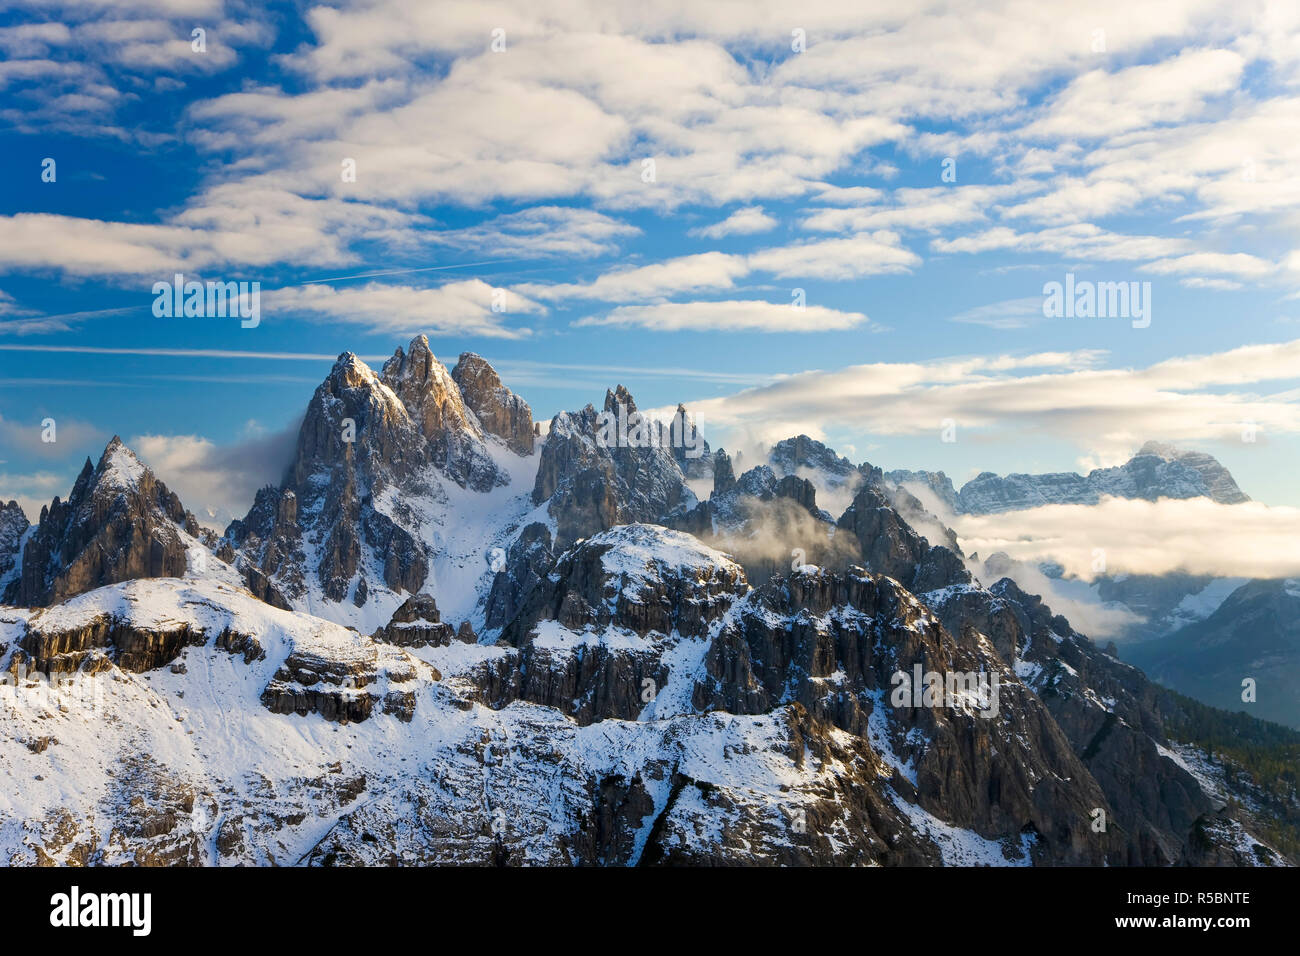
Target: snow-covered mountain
[
  {"x": 491, "y": 649},
  {"x": 645, "y": 685},
  {"x": 397, "y": 486},
  {"x": 1156, "y": 471},
  {"x": 118, "y": 523}
]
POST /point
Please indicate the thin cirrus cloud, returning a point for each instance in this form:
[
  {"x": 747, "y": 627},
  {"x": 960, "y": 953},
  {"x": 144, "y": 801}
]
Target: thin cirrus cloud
[
  {"x": 848, "y": 258},
  {"x": 1008, "y": 314},
  {"x": 731, "y": 316}
]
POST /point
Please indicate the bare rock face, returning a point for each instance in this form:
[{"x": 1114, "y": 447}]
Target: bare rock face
[
  {"x": 1112, "y": 715},
  {"x": 434, "y": 403},
  {"x": 119, "y": 523},
  {"x": 602, "y": 637},
  {"x": 834, "y": 643},
  {"x": 13, "y": 525},
  {"x": 695, "y": 460},
  {"x": 357, "y": 439},
  {"x": 640, "y": 580},
  {"x": 594, "y": 483},
  {"x": 374, "y": 452},
  {"x": 801, "y": 455},
  {"x": 416, "y": 623},
  {"x": 528, "y": 560},
  {"x": 343, "y": 688},
  {"x": 499, "y": 411},
  {"x": 763, "y": 521},
  {"x": 57, "y": 650},
  {"x": 889, "y": 545},
  {"x": 724, "y": 475},
  {"x": 1156, "y": 471}
]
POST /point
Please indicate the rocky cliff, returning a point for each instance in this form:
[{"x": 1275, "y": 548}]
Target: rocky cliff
[{"x": 119, "y": 523}]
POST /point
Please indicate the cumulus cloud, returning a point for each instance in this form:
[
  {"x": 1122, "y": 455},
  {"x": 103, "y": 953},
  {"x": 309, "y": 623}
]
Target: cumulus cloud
[
  {"x": 742, "y": 222},
  {"x": 1102, "y": 103},
  {"x": 246, "y": 225},
  {"x": 218, "y": 482}
]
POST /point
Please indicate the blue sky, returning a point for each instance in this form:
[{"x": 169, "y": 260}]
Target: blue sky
[{"x": 1122, "y": 144}]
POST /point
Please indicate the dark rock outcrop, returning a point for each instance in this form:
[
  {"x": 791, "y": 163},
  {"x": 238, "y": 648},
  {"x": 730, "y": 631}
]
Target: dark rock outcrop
[
  {"x": 416, "y": 623},
  {"x": 118, "y": 524},
  {"x": 597, "y": 473}
]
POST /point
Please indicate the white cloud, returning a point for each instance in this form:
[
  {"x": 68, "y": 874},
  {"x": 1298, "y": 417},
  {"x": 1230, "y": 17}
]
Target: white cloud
[
  {"x": 742, "y": 222},
  {"x": 214, "y": 481},
  {"x": 1196, "y": 535},
  {"x": 865, "y": 254},
  {"x": 541, "y": 231},
  {"x": 457, "y": 308},
  {"x": 1009, "y": 314},
  {"x": 698, "y": 273},
  {"x": 246, "y": 224},
  {"x": 1011, "y": 399},
  {"x": 1076, "y": 241},
  {"x": 1231, "y": 264},
  {"x": 1101, "y": 103}
]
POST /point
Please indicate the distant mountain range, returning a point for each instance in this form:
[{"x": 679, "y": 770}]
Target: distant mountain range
[
  {"x": 446, "y": 637},
  {"x": 1254, "y": 634},
  {"x": 1156, "y": 471}
]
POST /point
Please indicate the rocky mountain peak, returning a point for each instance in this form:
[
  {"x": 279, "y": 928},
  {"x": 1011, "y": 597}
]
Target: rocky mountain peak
[
  {"x": 426, "y": 388},
  {"x": 118, "y": 467},
  {"x": 119, "y": 523},
  {"x": 1157, "y": 471},
  {"x": 1218, "y": 481},
  {"x": 801, "y": 452},
  {"x": 592, "y": 484},
  {"x": 13, "y": 525},
  {"x": 498, "y": 410},
  {"x": 620, "y": 396}
]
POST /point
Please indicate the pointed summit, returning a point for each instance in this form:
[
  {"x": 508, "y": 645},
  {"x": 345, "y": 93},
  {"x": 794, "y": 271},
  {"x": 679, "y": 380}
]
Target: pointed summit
[
  {"x": 118, "y": 524},
  {"x": 499, "y": 411},
  {"x": 346, "y": 527},
  {"x": 428, "y": 391},
  {"x": 619, "y": 396},
  {"x": 119, "y": 467}
]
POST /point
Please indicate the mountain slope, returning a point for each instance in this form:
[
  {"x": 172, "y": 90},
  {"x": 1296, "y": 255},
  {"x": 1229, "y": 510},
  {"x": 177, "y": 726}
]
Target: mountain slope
[
  {"x": 1254, "y": 634},
  {"x": 646, "y": 707},
  {"x": 490, "y": 656},
  {"x": 396, "y": 488}
]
